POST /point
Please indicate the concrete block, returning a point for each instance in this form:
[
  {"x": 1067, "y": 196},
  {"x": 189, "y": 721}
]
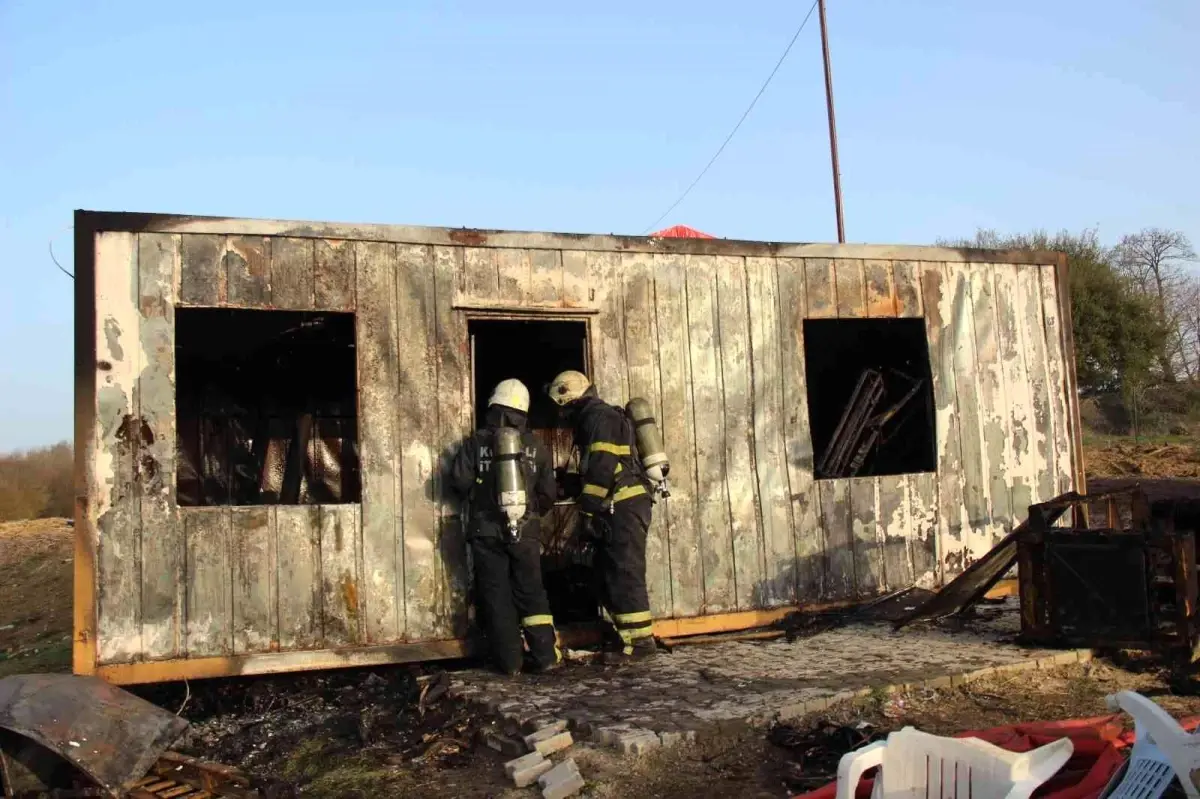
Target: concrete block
[
  {"x": 536, "y": 722},
  {"x": 561, "y": 781},
  {"x": 555, "y": 743},
  {"x": 608, "y": 734},
  {"x": 509, "y": 747},
  {"x": 525, "y": 770},
  {"x": 545, "y": 732},
  {"x": 638, "y": 742}
]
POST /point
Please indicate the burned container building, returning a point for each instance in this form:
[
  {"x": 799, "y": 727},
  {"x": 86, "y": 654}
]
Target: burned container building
[{"x": 264, "y": 411}]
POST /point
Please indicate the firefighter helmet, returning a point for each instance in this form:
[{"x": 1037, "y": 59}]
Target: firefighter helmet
[
  {"x": 568, "y": 387},
  {"x": 511, "y": 394}
]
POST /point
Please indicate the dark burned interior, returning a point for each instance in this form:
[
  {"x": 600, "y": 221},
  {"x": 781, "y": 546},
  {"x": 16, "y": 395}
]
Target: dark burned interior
[
  {"x": 267, "y": 407},
  {"x": 870, "y": 397},
  {"x": 534, "y": 351}
]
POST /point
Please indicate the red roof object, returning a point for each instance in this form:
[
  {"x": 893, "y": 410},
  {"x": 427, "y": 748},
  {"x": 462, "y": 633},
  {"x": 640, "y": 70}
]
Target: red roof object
[{"x": 680, "y": 232}]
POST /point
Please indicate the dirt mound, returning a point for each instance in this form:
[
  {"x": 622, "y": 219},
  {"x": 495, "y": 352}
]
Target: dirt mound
[
  {"x": 35, "y": 617},
  {"x": 1132, "y": 459}
]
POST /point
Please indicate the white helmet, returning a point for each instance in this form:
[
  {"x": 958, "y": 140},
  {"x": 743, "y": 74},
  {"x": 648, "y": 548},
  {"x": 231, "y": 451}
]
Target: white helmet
[
  {"x": 568, "y": 387},
  {"x": 511, "y": 394}
]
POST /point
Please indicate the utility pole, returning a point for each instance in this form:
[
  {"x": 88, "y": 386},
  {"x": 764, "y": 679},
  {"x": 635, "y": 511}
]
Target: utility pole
[{"x": 833, "y": 147}]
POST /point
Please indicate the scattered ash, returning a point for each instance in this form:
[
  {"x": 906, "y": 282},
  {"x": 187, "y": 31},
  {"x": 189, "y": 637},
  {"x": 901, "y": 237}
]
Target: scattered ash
[{"x": 815, "y": 750}]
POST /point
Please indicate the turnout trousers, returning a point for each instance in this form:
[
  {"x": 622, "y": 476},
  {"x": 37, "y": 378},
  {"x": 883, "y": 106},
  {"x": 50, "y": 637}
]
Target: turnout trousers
[
  {"x": 512, "y": 601},
  {"x": 620, "y": 565}
]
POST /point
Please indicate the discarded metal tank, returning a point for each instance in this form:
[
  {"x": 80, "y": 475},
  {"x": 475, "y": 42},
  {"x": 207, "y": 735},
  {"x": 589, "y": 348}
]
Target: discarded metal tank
[
  {"x": 649, "y": 444},
  {"x": 510, "y": 478}
]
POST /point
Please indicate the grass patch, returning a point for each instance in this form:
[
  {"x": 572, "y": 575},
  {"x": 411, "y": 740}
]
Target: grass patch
[{"x": 52, "y": 657}]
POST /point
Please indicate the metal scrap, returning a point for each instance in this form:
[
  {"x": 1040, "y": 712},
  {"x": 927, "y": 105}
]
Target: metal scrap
[{"x": 860, "y": 428}]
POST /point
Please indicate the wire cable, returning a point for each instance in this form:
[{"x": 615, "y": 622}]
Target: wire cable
[{"x": 733, "y": 132}]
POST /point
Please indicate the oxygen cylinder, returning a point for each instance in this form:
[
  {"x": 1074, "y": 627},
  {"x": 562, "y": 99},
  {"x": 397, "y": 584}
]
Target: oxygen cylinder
[
  {"x": 649, "y": 442},
  {"x": 510, "y": 477}
]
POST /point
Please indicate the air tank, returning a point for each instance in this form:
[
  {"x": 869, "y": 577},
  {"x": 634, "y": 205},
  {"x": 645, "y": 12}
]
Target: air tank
[
  {"x": 510, "y": 477},
  {"x": 649, "y": 442}
]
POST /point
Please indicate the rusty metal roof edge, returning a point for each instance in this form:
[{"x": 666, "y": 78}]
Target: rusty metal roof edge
[{"x": 414, "y": 234}]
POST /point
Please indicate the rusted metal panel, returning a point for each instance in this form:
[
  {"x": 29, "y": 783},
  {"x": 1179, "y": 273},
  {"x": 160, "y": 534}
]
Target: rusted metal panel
[
  {"x": 546, "y": 278},
  {"x": 733, "y": 332},
  {"x": 937, "y": 294},
  {"x": 716, "y": 544},
  {"x": 298, "y": 528},
  {"x": 923, "y": 530},
  {"x": 820, "y": 288},
  {"x": 851, "y": 289},
  {"x": 120, "y": 433},
  {"x": 340, "y": 541},
  {"x": 1022, "y": 469},
  {"x": 208, "y": 575},
  {"x": 907, "y": 278},
  {"x": 515, "y": 276},
  {"x": 333, "y": 275},
  {"x": 575, "y": 291},
  {"x": 1058, "y": 382},
  {"x": 678, "y": 427},
  {"x": 454, "y": 423},
  {"x": 864, "y": 528},
  {"x": 255, "y": 580},
  {"x": 808, "y": 534},
  {"x": 417, "y": 414},
  {"x": 162, "y": 535},
  {"x": 481, "y": 278},
  {"x": 247, "y": 263},
  {"x": 641, "y": 346},
  {"x": 203, "y": 279},
  {"x": 881, "y": 290},
  {"x": 836, "y": 516},
  {"x": 895, "y": 527},
  {"x": 779, "y": 544},
  {"x": 993, "y": 405},
  {"x": 377, "y": 335},
  {"x": 293, "y": 284},
  {"x": 1033, "y": 335}
]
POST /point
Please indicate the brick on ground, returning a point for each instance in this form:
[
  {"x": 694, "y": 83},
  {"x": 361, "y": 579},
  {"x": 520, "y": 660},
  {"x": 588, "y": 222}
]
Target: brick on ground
[
  {"x": 525, "y": 770},
  {"x": 561, "y": 781}
]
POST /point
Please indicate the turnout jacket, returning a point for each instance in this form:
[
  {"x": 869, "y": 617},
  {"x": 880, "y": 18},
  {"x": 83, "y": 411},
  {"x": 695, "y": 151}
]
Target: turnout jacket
[{"x": 612, "y": 472}]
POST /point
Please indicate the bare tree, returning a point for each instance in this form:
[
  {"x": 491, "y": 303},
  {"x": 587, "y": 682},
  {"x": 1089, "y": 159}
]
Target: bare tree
[{"x": 1154, "y": 259}]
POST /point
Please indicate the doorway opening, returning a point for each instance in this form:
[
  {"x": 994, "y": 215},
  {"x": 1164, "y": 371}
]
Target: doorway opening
[{"x": 534, "y": 351}]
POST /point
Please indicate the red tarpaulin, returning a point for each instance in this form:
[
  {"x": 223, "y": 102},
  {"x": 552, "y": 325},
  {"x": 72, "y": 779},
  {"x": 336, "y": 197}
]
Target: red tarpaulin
[
  {"x": 1098, "y": 743},
  {"x": 680, "y": 232}
]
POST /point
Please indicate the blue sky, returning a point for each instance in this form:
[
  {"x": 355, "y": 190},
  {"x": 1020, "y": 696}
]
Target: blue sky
[{"x": 952, "y": 114}]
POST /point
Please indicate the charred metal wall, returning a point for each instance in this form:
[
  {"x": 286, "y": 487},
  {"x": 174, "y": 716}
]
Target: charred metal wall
[{"x": 709, "y": 331}]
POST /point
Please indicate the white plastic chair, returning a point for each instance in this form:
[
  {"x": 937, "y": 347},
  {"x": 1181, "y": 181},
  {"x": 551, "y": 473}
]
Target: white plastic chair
[
  {"x": 1162, "y": 750},
  {"x": 917, "y": 765}
]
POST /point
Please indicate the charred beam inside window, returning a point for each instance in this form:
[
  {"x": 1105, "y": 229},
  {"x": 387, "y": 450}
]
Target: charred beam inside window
[
  {"x": 870, "y": 397},
  {"x": 266, "y": 407}
]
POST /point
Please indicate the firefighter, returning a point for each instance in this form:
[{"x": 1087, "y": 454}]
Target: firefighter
[
  {"x": 507, "y": 557},
  {"x": 615, "y": 507}
]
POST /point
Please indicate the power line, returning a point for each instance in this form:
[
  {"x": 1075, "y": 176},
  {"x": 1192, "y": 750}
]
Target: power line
[{"x": 733, "y": 132}]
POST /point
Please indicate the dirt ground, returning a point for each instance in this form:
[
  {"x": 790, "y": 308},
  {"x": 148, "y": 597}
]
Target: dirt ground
[
  {"x": 35, "y": 596},
  {"x": 1123, "y": 457}
]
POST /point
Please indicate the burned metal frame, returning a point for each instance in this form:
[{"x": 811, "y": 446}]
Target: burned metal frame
[{"x": 860, "y": 429}]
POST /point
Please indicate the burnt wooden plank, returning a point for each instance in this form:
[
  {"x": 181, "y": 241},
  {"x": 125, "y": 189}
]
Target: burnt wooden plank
[
  {"x": 893, "y": 514},
  {"x": 1022, "y": 473},
  {"x": 937, "y": 299},
  {"x": 481, "y": 280},
  {"x": 255, "y": 618},
  {"x": 993, "y": 406},
  {"x": 417, "y": 423},
  {"x": 546, "y": 277},
  {"x": 820, "y": 288},
  {"x": 1033, "y": 335},
  {"x": 120, "y": 435},
  {"x": 733, "y": 325},
  {"x": 923, "y": 528},
  {"x": 1058, "y": 382},
  {"x": 961, "y": 329},
  {"x": 778, "y": 585},
  {"x": 333, "y": 275},
  {"x": 864, "y": 526},
  {"x": 454, "y": 423},
  {"x": 575, "y": 292},
  {"x": 247, "y": 262},
  {"x": 202, "y": 278},
  {"x": 292, "y": 281},
  {"x": 339, "y": 575},
  {"x": 851, "y": 288},
  {"x": 678, "y": 430},
  {"x": 716, "y": 544},
  {"x": 641, "y": 346},
  {"x": 837, "y": 519},
  {"x": 298, "y": 530},
  {"x": 515, "y": 276},
  {"x": 881, "y": 290},
  {"x": 907, "y": 278},
  {"x": 608, "y": 339},
  {"x": 381, "y": 587},
  {"x": 209, "y": 581},
  {"x": 808, "y": 533},
  {"x": 162, "y": 542}
]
